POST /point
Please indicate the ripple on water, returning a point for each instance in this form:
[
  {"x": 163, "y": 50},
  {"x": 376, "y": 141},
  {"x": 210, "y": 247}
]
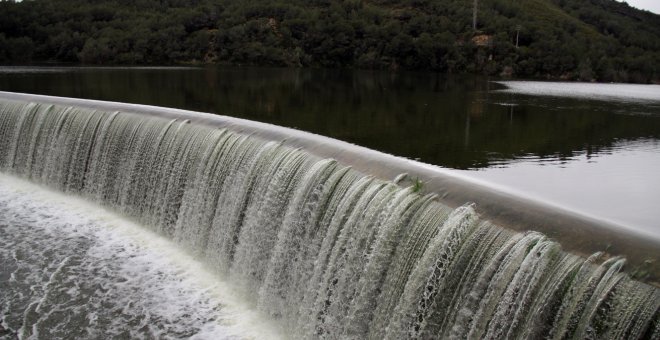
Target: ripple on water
[{"x": 597, "y": 91}]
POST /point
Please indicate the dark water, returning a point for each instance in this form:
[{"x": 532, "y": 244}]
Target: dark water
[{"x": 599, "y": 157}]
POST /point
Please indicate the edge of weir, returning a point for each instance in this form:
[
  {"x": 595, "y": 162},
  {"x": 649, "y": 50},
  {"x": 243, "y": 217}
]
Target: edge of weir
[{"x": 579, "y": 234}]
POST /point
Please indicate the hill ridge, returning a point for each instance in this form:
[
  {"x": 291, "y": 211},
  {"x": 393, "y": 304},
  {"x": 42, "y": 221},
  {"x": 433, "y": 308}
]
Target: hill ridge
[{"x": 601, "y": 40}]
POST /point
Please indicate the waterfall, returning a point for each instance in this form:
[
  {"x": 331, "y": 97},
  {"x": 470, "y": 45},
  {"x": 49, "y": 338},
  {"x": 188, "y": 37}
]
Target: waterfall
[{"x": 326, "y": 250}]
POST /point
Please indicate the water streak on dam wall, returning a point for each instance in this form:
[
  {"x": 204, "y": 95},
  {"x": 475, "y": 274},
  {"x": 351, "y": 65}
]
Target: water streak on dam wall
[{"x": 330, "y": 251}]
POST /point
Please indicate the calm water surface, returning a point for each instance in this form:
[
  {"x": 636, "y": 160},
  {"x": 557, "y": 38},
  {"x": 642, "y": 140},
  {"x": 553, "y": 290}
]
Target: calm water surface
[{"x": 590, "y": 148}]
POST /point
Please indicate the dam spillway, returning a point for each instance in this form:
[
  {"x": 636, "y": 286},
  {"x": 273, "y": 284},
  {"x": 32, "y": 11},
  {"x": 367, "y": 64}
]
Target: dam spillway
[{"x": 327, "y": 250}]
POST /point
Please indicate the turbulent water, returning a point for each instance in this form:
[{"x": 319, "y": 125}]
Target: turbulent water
[
  {"x": 322, "y": 249},
  {"x": 72, "y": 270}
]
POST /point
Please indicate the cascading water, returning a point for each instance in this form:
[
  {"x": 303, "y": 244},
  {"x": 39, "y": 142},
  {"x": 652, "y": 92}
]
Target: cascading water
[{"x": 327, "y": 251}]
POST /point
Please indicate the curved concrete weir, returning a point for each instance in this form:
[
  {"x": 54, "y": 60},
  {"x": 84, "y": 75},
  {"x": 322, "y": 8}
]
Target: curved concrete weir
[
  {"x": 332, "y": 251},
  {"x": 576, "y": 233}
]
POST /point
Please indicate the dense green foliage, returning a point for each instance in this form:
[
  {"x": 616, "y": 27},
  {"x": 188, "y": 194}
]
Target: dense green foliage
[{"x": 572, "y": 39}]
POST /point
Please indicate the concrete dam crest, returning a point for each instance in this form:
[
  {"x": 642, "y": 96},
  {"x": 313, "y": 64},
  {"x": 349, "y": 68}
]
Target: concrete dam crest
[{"x": 322, "y": 238}]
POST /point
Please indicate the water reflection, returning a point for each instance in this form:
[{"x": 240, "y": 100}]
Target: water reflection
[
  {"x": 598, "y": 157},
  {"x": 619, "y": 183},
  {"x": 453, "y": 121},
  {"x": 606, "y": 92}
]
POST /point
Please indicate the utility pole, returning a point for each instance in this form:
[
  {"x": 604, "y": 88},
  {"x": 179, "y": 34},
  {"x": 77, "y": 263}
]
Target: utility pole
[{"x": 474, "y": 15}]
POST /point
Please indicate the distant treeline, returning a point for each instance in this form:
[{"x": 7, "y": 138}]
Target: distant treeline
[{"x": 600, "y": 40}]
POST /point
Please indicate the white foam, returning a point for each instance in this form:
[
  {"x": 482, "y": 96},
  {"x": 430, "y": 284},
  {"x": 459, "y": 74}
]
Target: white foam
[{"x": 78, "y": 265}]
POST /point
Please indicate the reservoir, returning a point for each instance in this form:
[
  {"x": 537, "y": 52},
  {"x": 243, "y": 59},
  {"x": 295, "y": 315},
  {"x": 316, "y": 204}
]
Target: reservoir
[
  {"x": 590, "y": 148},
  {"x": 509, "y": 213}
]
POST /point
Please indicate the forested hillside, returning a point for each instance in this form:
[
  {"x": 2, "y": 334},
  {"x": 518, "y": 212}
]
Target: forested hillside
[{"x": 600, "y": 40}]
